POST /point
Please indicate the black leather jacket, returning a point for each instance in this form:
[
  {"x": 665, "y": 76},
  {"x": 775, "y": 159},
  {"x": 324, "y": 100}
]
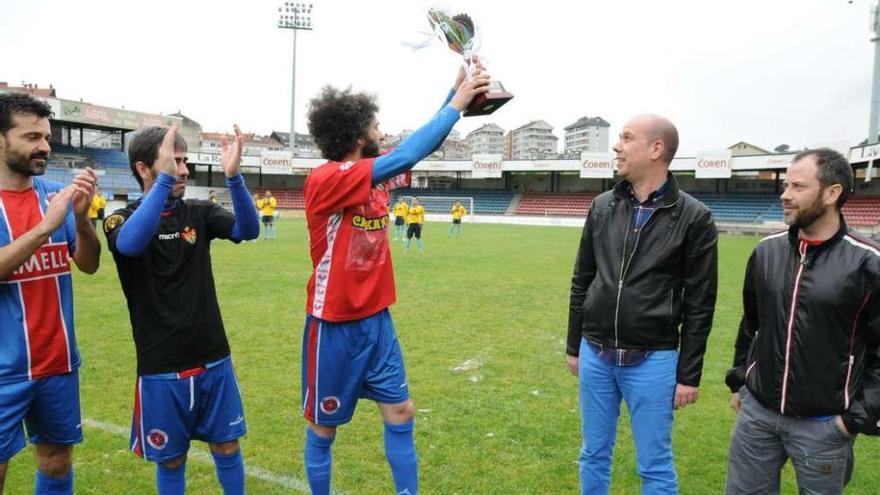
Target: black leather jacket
[
  {"x": 633, "y": 288},
  {"x": 808, "y": 341}
]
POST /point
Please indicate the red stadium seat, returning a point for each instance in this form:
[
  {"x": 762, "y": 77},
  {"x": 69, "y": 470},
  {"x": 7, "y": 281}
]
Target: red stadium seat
[
  {"x": 288, "y": 199},
  {"x": 555, "y": 204}
]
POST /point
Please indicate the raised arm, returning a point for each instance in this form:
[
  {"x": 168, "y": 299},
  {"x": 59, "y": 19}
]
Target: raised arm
[
  {"x": 430, "y": 136},
  {"x": 247, "y": 222},
  {"x": 135, "y": 234},
  {"x": 14, "y": 254},
  {"x": 87, "y": 254}
]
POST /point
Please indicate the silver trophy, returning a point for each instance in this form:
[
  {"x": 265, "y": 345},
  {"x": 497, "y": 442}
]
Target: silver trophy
[{"x": 460, "y": 35}]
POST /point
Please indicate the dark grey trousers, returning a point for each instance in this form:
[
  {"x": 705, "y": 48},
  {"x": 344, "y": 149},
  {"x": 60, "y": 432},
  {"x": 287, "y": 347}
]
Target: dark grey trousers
[{"x": 821, "y": 453}]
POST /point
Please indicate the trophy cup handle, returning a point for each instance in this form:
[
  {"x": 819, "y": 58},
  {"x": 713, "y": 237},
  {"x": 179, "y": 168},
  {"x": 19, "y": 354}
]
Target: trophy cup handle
[
  {"x": 469, "y": 66},
  {"x": 488, "y": 102}
]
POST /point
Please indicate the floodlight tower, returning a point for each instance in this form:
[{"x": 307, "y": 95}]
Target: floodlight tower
[
  {"x": 296, "y": 17},
  {"x": 875, "y": 87}
]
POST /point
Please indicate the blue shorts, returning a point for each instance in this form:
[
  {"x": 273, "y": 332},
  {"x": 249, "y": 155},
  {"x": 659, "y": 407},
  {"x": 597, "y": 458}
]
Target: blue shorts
[
  {"x": 343, "y": 362},
  {"x": 171, "y": 409},
  {"x": 49, "y": 407}
]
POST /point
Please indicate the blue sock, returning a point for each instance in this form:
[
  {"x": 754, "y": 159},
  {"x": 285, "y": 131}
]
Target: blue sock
[
  {"x": 230, "y": 472},
  {"x": 47, "y": 485},
  {"x": 408, "y": 242},
  {"x": 171, "y": 481},
  {"x": 419, "y": 242},
  {"x": 319, "y": 462},
  {"x": 400, "y": 450}
]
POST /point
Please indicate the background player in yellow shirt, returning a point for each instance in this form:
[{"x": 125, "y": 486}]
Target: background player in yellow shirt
[
  {"x": 267, "y": 209},
  {"x": 400, "y": 211},
  {"x": 458, "y": 211},
  {"x": 415, "y": 218},
  {"x": 96, "y": 209}
]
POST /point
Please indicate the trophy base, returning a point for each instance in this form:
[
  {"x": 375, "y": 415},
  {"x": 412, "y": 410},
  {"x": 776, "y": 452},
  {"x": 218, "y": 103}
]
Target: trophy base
[{"x": 488, "y": 102}]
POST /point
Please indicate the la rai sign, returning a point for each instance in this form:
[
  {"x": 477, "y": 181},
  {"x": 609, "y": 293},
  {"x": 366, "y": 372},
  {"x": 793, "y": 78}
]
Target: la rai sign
[
  {"x": 713, "y": 165},
  {"x": 597, "y": 165}
]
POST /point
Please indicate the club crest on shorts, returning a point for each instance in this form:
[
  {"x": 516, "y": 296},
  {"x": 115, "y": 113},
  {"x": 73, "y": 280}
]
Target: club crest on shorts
[
  {"x": 157, "y": 439},
  {"x": 330, "y": 405}
]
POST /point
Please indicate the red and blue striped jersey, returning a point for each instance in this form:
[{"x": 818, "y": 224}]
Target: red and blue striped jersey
[{"x": 36, "y": 300}]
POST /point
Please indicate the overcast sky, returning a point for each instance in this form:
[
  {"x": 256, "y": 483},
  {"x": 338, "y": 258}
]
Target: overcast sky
[{"x": 766, "y": 72}]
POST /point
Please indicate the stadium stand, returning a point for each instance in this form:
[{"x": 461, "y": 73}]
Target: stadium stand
[
  {"x": 112, "y": 180},
  {"x": 742, "y": 208},
  {"x": 115, "y": 176},
  {"x": 63, "y": 148},
  {"x": 290, "y": 199},
  {"x": 103, "y": 158},
  {"x": 862, "y": 211},
  {"x": 107, "y": 158},
  {"x": 859, "y": 211},
  {"x": 486, "y": 201},
  {"x": 118, "y": 180},
  {"x": 555, "y": 204}
]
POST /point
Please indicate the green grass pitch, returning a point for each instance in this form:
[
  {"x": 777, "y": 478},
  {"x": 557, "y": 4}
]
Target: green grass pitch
[{"x": 482, "y": 322}]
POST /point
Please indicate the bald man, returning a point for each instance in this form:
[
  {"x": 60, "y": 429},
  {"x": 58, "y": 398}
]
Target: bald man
[{"x": 642, "y": 300}]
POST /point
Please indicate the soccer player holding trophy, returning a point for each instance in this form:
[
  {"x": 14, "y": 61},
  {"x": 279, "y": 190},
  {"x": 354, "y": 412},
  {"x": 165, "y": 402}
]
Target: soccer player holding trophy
[{"x": 350, "y": 347}]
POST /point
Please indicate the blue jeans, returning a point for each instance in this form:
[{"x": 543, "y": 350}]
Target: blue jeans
[{"x": 649, "y": 390}]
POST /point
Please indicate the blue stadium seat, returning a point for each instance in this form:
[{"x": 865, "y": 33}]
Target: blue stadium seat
[
  {"x": 743, "y": 208},
  {"x": 486, "y": 201}
]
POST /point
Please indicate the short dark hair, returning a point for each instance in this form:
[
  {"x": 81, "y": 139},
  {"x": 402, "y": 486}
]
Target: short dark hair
[
  {"x": 337, "y": 118},
  {"x": 21, "y": 104},
  {"x": 144, "y": 147},
  {"x": 831, "y": 168}
]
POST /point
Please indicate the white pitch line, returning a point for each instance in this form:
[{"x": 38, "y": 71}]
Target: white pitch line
[{"x": 203, "y": 458}]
